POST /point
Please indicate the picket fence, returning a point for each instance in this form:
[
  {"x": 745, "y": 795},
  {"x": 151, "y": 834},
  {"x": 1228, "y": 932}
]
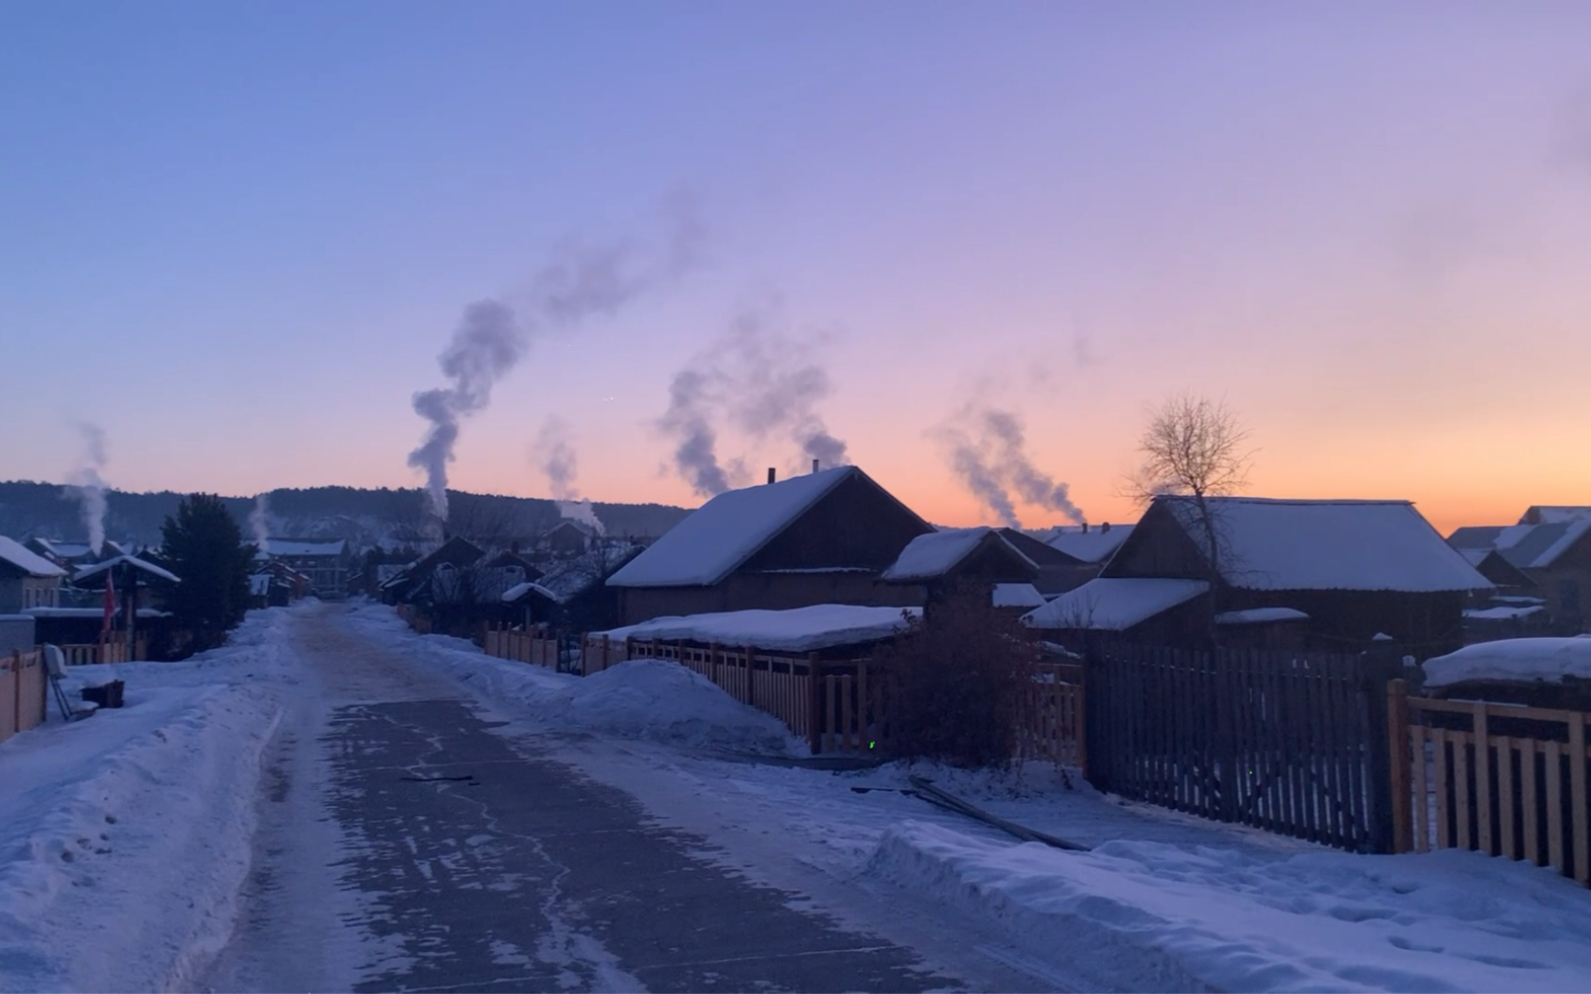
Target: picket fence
[{"x": 24, "y": 684}]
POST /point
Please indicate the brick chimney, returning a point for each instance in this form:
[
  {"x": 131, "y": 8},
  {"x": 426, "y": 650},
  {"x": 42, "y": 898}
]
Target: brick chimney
[{"x": 771, "y": 474}]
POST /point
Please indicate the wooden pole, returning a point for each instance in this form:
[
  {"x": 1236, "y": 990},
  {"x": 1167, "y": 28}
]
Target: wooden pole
[
  {"x": 1398, "y": 758},
  {"x": 814, "y": 704}
]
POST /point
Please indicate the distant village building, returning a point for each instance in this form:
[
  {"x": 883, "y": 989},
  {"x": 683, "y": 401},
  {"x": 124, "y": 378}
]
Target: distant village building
[
  {"x": 1331, "y": 574},
  {"x": 326, "y": 562},
  {"x": 939, "y": 563},
  {"x": 1550, "y": 548},
  {"x": 27, "y": 579},
  {"x": 820, "y": 538},
  {"x": 568, "y": 538}
]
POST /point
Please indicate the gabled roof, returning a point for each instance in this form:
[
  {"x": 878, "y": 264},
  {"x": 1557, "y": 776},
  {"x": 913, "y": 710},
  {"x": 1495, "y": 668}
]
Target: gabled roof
[
  {"x": 1267, "y": 544},
  {"x": 1114, "y": 605},
  {"x": 1039, "y": 553},
  {"x": 143, "y": 566},
  {"x": 1017, "y": 595},
  {"x": 28, "y": 562},
  {"x": 1527, "y": 546},
  {"x": 1094, "y": 545},
  {"x": 1546, "y": 514},
  {"x": 718, "y": 537},
  {"x": 931, "y": 556}
]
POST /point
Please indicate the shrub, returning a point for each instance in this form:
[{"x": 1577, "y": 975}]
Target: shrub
[{"x": 963, "y": 682}]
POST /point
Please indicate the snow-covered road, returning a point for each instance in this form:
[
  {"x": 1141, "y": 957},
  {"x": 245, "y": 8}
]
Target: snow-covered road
[{"x": 334, "y": 802}]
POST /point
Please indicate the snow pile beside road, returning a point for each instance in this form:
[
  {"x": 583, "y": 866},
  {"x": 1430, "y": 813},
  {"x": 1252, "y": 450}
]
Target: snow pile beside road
[
  {"x": 648, "y": 699},
  {"x": 124, "y": 838},
  {"x": 1151, "y": 916}
]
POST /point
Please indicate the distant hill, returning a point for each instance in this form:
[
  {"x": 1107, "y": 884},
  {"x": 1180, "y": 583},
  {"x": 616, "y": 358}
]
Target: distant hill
[{"x": 367, "y": 518}]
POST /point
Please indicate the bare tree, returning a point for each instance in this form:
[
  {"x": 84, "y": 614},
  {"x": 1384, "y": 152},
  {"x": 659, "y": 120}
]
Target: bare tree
[{"x": 1193, "y": 447}]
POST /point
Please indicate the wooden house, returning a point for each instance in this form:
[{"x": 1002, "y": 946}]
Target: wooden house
[
  {"x": 1551, "y": 548},
  {"x": 1344, "y": 570},
  {"x": 820, "y": 538},
  {"x": 573, "y": 597},
  {"x": 27, "y": 579},
  {"x": 327, "y": 562},
  {"x": 951, "y": 560},
  {"x": 1058, "y": 571},
  {"x": 568, "y": 538}
]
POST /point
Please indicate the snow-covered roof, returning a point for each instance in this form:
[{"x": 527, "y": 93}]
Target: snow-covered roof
[
  {"x": 298, "y": 547},
  {"x": 1525, "y": 545},
  {"x": 1017, "y": 595},
  {"x": 133, "y": 561},
  {"x": 1260, "y": 616},
  {"x": 723, "y": 533},
  {"x": 1503, "y": 612},
  {"x": 1092, "y": 546},
  {"x": 802, "y": 629},
  {"x": 1514, "y": 660},
  {"x": 386, "y": 571},
  {"x": 937, "y": 553},
  {"x": 1114, "y": 605},
  {"x": 26, "y": 560},
  {"x": 1550, "y": 513},
  {"x": 1268, "y": 544}
]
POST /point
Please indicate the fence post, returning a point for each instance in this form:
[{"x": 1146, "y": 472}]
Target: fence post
[
  {"x": 1380, "y": 664},
  {"x": 16, "y": 690},
  {"x": 1096, "y": 726},
  {"x": 1398, "y": 750},
  {"x": 814, "y": 705}
]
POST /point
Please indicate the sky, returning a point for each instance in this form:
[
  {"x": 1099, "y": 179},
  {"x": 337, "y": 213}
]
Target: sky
[{"x": 237, "y": 237}]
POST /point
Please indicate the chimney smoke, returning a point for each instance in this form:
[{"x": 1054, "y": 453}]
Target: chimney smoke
[
  {"x": 986, "y": 449},
  {"x": 88, "y": 486}
]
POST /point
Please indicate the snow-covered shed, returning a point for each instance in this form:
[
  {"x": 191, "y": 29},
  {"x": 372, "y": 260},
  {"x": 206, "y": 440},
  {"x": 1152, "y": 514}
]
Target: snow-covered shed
[
  {"x": 1144, "y": 609},
  {"x": 819, "y": 538},
  {"x": 27, "y": 579},
  {"x": 1354, "y": 567},
  {"x": 953, "y": 559}
]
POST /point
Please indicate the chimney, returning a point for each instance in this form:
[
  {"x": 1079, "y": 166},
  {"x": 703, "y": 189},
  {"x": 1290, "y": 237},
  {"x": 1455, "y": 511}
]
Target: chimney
[
  {"x": 771, "y": 474},
  {"x": 1085, "y": 528},
  {"x": 1104, "y": 527},
  {"x": 814, "y": 465}
]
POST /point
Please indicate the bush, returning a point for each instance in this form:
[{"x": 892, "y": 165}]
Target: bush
[{"x": 963, "y": 683}]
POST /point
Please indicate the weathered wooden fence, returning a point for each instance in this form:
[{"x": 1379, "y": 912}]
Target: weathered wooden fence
[
  {"x": 24, "y": 684},
  {"x": 1501, "y": 779},
  {"x": 1055, "y": 716},
  {"x": 89, "y": 653},
  {"x": 1294, "y": 743},
  {"x": 523, "y": 647}
]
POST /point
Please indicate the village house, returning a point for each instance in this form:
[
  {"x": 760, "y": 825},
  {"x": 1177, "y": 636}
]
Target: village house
[
  {"x": 75, "y": 555},
  {"x": 573, "y": 597},
  {"x": 820, "y": 538},
  {"x": 1058, "y": 571},
  {"x": 934, "y": 565},
  {"x": 1327, "y": 574},
  {"x": 1551, "y": 548},
  {"x": 327, "y": 562},
  {"x": 27, "y": 579},
  {"x": 1087, "y": 549},
  {"x": 568, "y": 538}
]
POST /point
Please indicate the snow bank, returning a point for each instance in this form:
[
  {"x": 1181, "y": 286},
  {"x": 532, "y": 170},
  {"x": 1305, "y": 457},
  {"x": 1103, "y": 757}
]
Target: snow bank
[
  {"x": 124, "y": 838},
  {"x": 654, "y": 700},
  {"x": 1151, "y": 916},
  {"x": 802, "y": 629},
  {"x": 1519, "y": 660}
]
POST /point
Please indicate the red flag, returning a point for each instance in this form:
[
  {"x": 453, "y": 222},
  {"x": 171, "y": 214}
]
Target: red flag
[{"x": 110, "y": 606}]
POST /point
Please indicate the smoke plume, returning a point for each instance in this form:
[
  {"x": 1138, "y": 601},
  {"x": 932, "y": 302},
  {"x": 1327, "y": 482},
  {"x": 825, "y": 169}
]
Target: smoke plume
[
  {"x": 759, "y": 380},
  {"x": 581, "y": 281},
  {"x": 88, "y": 487},
  {"x": 554, "y": 453},
  {"x": 259, "y": 524},
  {"x": 987, "y": 450}
]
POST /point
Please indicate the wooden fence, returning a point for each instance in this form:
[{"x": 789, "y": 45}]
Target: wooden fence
[
  {"x": 1293, "y": 743},
  {"x": 522, "y": 647},
  {"x": 1501, "y": 779},
  {"x": 1055, "y": 716},
  {"x": 89, "y": 653},
  {"x": 24, "y": 684}
]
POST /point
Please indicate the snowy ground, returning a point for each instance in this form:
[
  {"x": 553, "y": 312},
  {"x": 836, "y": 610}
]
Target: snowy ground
[
  {"x": 124, "y": 837},
  {"x": 124, "y": 841},
  {"x": 1164, "y": 901}
]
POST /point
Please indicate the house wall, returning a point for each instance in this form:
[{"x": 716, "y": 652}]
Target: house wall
[
  {"x": 41, "y": 591},
  {"x": 1566, "y": 586},
  {"x": 1425, "y": 624},
  {"x": 10, "y": 594},
  {"x": 1158, "y": 547},
  {"x": 855, "y": 524},
  {"x": 766, "y": 591}
]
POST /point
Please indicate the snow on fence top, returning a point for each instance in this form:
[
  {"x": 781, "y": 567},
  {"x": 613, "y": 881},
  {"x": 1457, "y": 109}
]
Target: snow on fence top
[
  {"x": 1514, "y": 661},
  {"x": 802, "y": 629},
  {"x": 133, "y": 561},
  {"x": 1017, "y": 595},
  {"x": 1268, "y": 544},
  {"x": 294, "y": 547},
  {"x": 936, "y": 553},
  {"x": 1260, "y": 616},
  {"x": 726, "y": 531},
  {"x": 1093, "y": 546},
  {"x": 1114, "y": 605},
  {"x": 26, "y": 560}
]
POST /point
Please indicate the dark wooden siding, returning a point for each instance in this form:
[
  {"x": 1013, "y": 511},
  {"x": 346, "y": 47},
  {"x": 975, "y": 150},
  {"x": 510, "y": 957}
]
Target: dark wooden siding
[
  {"x": 855, "y": 524},
  {"x": 1158, "y": 546},
  {"x": 766, "y": 591}
]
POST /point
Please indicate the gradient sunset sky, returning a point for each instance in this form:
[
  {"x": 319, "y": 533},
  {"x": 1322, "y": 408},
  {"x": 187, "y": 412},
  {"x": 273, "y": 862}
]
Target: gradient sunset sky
[{"x": 237, "y": 236}]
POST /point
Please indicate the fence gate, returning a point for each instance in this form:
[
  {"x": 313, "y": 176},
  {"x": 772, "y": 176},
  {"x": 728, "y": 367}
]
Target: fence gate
[
  {"x": 1294, "y": 743},
  {"x": 1501, "y": 779}
]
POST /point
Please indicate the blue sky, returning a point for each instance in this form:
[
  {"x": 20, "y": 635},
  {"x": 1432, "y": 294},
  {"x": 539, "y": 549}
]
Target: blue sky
[{"x": 237, "y": 236}]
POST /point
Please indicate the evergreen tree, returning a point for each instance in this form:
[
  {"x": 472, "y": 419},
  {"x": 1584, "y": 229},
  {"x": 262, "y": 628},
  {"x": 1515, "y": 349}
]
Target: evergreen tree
[{"x": 204, "y": 546}]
